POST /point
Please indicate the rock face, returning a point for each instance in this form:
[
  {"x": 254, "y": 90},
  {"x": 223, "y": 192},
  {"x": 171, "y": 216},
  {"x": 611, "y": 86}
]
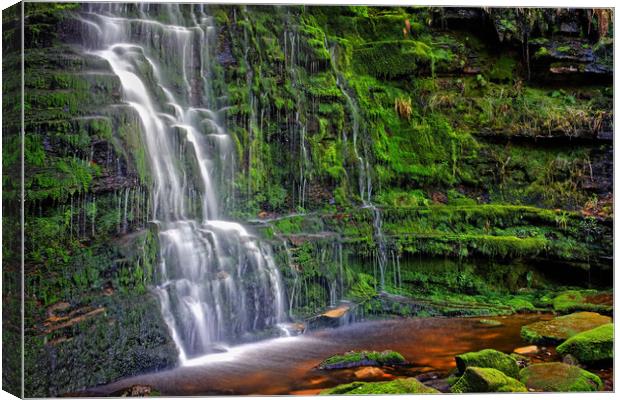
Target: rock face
[
  {"x": 481, "y": 380},
  {"x": 354, "y": 359},
  {"x": 561, "y": 328},
  {"x": 559, "y": 377},
  {"x": 397, "y": 386},
  {"x": 595, "y": 345},
  {"x": 488, "y": 358}
]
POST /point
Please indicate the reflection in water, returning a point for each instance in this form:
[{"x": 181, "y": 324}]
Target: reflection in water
[{"x": 285, "y": 365}]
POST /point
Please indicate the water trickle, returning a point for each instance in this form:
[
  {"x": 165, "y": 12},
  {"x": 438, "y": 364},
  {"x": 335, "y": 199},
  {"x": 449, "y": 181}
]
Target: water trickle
[
  {"x": 364, "y": 176},
  {"x": 217, "y": 283}
]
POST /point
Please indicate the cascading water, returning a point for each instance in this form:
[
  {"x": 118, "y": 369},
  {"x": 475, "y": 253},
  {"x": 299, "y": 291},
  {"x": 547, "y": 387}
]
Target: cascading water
[
  {"x": 364, "y": 178},
  {"x": 217, "y": 283}
]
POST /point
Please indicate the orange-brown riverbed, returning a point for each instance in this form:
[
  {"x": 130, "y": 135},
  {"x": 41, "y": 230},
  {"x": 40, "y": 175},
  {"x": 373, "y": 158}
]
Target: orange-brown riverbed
[{"x": 286, "y": 366}]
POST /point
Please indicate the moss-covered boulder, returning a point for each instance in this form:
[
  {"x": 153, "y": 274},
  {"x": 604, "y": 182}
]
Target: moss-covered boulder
[
  {"x": 354, "y": 359},
  {"x": 583, "y": 300},
  {"x": 480, "y": 380},
  {"x": 559, "y": 377},
  {"x": 595, "y": 345},
  {"x": 488, "y": 358},
  {"x": 397, "y": 386},
  {"x": 561, "y": 328}
]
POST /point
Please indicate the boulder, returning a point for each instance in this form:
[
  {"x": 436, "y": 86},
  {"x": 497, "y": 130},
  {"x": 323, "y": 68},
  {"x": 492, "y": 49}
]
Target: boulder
[
  {"x": 559, "y": 377},
  {"x": 583, "y": 300},
  {"x": 366, "y": 373},
  {"x": 488, "y": 358},
  {"x": 354, "y": 359},
  {"x": 561, "y": 328},
  {"x": 595, "y": 345},
  {"x": 397, "y": 386},
  {"x": 480, "y": 380}
]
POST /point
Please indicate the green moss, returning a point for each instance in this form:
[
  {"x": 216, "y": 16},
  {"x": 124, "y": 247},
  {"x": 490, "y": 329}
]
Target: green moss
[
  {"x": 480, "y": 380},
  {"x": 562, "y": 328},
  {"x": 354, "y": 359},
  {"x": 575, "y": 300},
  {"x": 559, "y": 377},
  {"x": 595, "y": 345},
  {"x": 397, "y": 386},
  {"x": 488, "y": 358}
]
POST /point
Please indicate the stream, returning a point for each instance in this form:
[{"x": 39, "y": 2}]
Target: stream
[{"x": 287, "y": 365}]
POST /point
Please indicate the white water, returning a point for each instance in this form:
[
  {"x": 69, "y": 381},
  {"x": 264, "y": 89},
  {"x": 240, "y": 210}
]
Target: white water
[{"x": 217, "y": 283}]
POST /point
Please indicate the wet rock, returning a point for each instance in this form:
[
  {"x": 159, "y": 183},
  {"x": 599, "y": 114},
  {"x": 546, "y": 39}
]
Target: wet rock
[
  {"x": 570, "y": 360},
  {"x": 354, "y": 359},
  {"x": 397, "y": 386},
  {"x": 583, "y": 300},
  {"x": 480, "y": 380},
  {"x": 533, "y": 349},
  {"x": 488, "y": 358},
  {"x": 561, "y": 328},
  {"x": 331, "y": 318},
  {"x": 367, "y": 373},
  {"x": 559, "y": 377},
  {"x": 595, "y": 345},
  {"x": 136, "y": 391},
  {"x": 490, "y": 322}
]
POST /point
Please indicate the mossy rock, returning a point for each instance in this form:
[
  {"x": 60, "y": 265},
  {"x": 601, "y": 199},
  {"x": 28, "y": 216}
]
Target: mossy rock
[
  {"x": 354, "y": 359},
  {"x": 595, "y": 345},
  {"x": 488, "y": 358},
  {"x": 559, "y": 377},
  {"x": 397, "y": 386},
  {"x": 490, "y": 322},
  {"x": 583, "y": 300},
  {"x": 561, "y": 328},
  {"x": 480, "y": 380}
]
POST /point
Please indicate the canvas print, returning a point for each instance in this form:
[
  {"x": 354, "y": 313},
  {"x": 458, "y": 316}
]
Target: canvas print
[{"x": 204, "y": 199}]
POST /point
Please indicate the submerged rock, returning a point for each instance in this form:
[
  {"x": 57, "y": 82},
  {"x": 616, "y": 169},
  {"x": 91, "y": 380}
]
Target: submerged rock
[
  {"x": 490, "y": 322},
  {"x": 488, "y": 358},
  {"x": 561, "y": 328},
  {"x": 559, "y": 377},
  {"x": 354, "y": 359},
  {"x": 480, "y": 380},
  {"x": 595, "y": 345},
  {"x": 397, "y": 386},
  {"x": 370, "y": 373},
  {"x": 533, "y": 349},
  {"x": 136, "y": 391}
]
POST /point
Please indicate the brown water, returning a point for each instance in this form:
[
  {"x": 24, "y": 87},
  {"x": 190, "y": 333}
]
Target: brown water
[{"x": 286, "y": 366}]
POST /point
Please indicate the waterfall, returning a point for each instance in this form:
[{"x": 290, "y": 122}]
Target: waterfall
[
  {"x": 216, "y": 282},
  {"x": 364, "y": 178}
]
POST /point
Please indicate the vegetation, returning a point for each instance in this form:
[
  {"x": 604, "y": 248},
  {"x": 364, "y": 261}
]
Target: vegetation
[
  {"x": 595, "y": 345},
  {"x": 393, "y": 161},
  {"x": 488, "y": 358},
  {"x": 479, "y": 380},
  {"x": 559, "y": 377}
]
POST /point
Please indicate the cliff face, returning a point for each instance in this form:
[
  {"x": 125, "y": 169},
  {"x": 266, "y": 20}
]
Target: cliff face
[{"x": 460, "y": 158}]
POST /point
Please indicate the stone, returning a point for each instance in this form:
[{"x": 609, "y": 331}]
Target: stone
[
  {"x": 397, "y": 386},
  {"x": 366, "y": 373},
  {"x": 490, "y": 322},
  {"x": 561, "y": 328},
  {"x": 488, "y": 358},
  {"x": 136, "y": 391},
  {"x": 480, "y": 380},
  {"x": 354, "y": 359},
  {"x": 595, "y": 345},
  {"x": 533, "y": 349},
  {"x": 559, "y": 377},
  {"x": 583, "y": 300}
]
